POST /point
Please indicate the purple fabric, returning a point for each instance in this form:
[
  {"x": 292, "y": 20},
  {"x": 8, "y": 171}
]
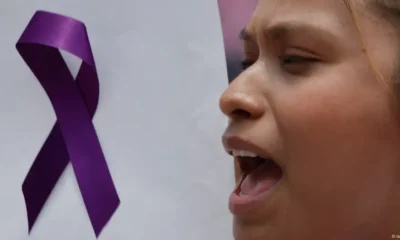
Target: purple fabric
[{"x": 73, "y": 136}]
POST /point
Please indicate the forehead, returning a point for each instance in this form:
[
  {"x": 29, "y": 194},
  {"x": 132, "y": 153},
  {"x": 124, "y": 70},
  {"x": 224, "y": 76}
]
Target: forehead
[{"x": 332, "y": 15}]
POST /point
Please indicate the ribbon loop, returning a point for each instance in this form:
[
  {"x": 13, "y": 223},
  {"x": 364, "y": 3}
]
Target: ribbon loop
[{"x": 73, "y": 136}]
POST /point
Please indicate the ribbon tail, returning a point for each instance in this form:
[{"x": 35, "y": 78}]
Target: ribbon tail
[
  {"x": 40, "y": 181},
  {"x": 100, "y": 218}
]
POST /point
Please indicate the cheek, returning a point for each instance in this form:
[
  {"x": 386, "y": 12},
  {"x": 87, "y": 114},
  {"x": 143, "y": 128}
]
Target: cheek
[{"x": 335, "y": 132}]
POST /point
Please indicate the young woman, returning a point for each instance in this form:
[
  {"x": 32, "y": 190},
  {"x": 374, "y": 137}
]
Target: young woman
[{"x": 314, "y": 122}]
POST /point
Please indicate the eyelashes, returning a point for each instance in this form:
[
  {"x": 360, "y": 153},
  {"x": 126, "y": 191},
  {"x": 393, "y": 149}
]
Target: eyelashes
[
  {"x": 295, "y": 59},
  {"x": 291, "y": 63}
]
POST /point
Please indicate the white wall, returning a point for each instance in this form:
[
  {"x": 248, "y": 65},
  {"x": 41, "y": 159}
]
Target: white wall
[{"x": 161, "y": 67}]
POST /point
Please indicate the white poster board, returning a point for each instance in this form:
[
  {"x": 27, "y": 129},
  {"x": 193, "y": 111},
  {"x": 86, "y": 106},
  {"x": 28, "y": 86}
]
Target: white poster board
[{"x": 162, "y": 68}]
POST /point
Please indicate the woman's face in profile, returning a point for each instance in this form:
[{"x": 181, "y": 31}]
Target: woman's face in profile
[{"x": 312, "y": 104}]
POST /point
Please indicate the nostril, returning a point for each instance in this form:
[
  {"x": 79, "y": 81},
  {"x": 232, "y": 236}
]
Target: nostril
[{"x": 240, "y": 113}]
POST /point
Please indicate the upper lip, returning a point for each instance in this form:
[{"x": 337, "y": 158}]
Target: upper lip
[{"x": 231, "y": 142}]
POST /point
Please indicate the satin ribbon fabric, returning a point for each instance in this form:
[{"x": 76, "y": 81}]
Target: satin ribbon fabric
[{"x": 73, "y": 137}]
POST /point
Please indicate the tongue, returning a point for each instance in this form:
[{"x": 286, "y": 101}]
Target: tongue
[{"x": 260, "y": 180}]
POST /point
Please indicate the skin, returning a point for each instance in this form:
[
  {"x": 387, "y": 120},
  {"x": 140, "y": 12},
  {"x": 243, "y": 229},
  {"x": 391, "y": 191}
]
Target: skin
[{"x": 331, "y": 122}]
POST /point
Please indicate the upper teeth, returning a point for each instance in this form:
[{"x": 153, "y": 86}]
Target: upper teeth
[{"x": 243, "y": 153}]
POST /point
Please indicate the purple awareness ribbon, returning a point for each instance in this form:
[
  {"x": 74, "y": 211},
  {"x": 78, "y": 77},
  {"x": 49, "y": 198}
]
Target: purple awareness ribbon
[{"x": 73, "y": 136}]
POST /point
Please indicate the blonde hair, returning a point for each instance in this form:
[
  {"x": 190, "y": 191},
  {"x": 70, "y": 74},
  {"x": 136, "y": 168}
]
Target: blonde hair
[
  {"x": 388, "y": 10},
  {"x": 371, "y": 60}
]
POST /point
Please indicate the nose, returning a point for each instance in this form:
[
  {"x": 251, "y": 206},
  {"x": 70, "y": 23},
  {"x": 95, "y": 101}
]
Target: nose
[{"x": 243, "y": 99}]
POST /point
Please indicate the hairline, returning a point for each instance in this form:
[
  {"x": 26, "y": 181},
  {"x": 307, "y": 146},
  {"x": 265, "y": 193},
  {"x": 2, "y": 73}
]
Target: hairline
[{"x": 389, "y": 11}]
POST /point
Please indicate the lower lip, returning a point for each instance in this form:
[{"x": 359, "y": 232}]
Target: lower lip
[{"x": 241, "y": 205}]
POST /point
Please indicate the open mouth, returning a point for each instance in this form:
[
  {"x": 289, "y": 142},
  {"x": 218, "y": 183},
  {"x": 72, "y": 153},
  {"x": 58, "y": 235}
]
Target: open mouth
[{"x": 258, "y": 175}]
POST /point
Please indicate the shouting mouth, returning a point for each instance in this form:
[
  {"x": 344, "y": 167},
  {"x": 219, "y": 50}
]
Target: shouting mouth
[{"x": 259, "y": 177}]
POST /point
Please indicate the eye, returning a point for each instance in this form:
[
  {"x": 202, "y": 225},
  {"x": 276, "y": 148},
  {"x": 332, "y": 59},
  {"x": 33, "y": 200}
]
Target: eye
[
  {"x": 296, "y": 64},
  {"x": 291, "y": 63}
]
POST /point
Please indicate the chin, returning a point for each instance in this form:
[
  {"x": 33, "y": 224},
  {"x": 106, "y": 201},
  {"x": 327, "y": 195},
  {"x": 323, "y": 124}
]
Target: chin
[{"x": 243, "y": 230}]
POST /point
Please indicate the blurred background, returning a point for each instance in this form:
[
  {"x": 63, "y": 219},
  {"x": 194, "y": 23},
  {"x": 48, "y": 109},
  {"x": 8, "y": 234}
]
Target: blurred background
[{"x": 234, "y": 16}]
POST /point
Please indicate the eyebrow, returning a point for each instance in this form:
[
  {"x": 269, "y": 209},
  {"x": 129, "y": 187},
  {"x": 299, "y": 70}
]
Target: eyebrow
[{"x": 286, "y": 30}]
